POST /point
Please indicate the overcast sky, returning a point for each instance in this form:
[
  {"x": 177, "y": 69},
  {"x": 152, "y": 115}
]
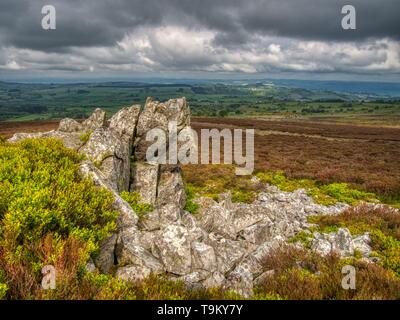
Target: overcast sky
[{"x": 210, "y": 38}]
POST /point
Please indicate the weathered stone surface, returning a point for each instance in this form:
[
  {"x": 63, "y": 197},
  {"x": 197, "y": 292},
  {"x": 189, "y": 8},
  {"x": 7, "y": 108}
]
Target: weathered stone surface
[
  {"x": 340, "y": 242},
  {"x": 145, "y": 177},
  {"x": 159, "y": 115},
  {"x": 362, "y": 244},
  {"x": 127, "y": 217},
  {"x": 129, "y": 253},
  {"x": 212, "y": 217},
  {"x": 71, "y": 140},
  {"x": 225, "y": 200},
  {"x": 151, "y": 222},
  {"x": 169, "y": 213},
  {"x": 240, "y": 281},
  {"x": 173, "y": 247},
  {"x": 170, "y": 187},
  {"x": 105, "y": 260},
  {"x": 95, "y": 121},
  {"x": 125, "y": 121},
  {"x": 90, "y": 266},
  {"x": 105, "y": 148},
  {"x": 344, "y": 243},
  {"x": 196, "y": 233},
  {"x": 194, "y": 277},
  {"x": 203, "y": 257},
  {"x": 228, "y": 252},
  {"x": 259, "y": 232},
  {"x": 214, "y": 280},
  {"x": 133, "y": 273},
  {"x": 69, "y": 125}
]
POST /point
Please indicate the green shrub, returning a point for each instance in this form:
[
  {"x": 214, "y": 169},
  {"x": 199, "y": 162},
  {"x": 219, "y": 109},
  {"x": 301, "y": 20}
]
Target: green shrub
[
  {"x": 3, "y": 291},
  {"x": 134, "y": 200},
  {"x": 342, "y": 193},
  {"x": 42, "y": 195},
  {"x": 387, "y": 249},
  {"x": 190, "y": 206},
  {"x": 84, "y": 137},
  {"x": 323, "y": 194}
]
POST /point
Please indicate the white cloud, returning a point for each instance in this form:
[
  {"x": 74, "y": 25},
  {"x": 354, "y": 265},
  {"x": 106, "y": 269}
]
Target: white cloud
[{"x": 175, "y": 49}]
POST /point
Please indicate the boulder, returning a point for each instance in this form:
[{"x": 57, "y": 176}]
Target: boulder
[
  {"x": 125, "y": 121},
  {"x": 133, "y": 273},
  {"x": 127, "y": 217},
  {"x": 111, "y": 155},
  {"x": 145, "y": 178},
  {"x": 95, "y": 121},
  {"x": 203, "y": 257},
  {"x": 105, "y": 260},
  {"x": 215, "y": 280},
  {"x": 362, "y": 244},
  {"x": 158, "y": 115},
  {"x": 228, "y": 252},
  {"x": 130, "y": 253},
  {"x": 172, "y": 245},
  {"x": 212, "y": 217},
  {"x": 170, "y": 189},
  {"x": 69, "y": 125},
  {"x": 340, "y": 242}
]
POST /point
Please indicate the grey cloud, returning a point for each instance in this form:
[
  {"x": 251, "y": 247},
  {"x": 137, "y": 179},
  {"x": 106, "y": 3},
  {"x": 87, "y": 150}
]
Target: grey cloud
[
  {"x": 200, "y": 35},
  {"x": 102, "y": 22}
]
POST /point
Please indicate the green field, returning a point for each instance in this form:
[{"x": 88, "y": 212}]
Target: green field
[{"x": 53, "y": 101}]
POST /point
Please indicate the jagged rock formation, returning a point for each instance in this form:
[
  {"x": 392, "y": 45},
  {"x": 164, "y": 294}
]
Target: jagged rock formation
[
  {"x": 222, "y": 245},
  {"x": 342, "y": 243}
]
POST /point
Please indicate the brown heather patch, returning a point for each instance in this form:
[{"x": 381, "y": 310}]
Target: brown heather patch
[
  {"x": 300, "y": 274},
  {"x": 364, "y": 216},
  {"x": 367, "y": 157}
]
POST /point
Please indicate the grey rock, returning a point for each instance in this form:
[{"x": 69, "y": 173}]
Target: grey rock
[
  {"x": 106, "y": 148},
  {"x": 340, "y": 242},
  {"x": 69, "y": 125},
  {"x": 214, "y": 280},
  {"x": 228, "y": 252},
  {"x": 133, "y": 273},
  {"x": 145, "y": 178},
  {"x": 212, "y": 217},
  {"x": 173, "y": 247},
  {"x": 105, "y": 260},
  {"x": 90, "y": 266},
  {"x": 170, "y": 187},
  {"x": 203, "y": 257},
  {"x": 129, "y": 253},
  {"x": 362, "y": 244},
  {"x": 127, "y": 217},
  {"x": 158, "y": 115},
  {"x": 95, "y": 121},
  {"x": 125, "y": 121}
]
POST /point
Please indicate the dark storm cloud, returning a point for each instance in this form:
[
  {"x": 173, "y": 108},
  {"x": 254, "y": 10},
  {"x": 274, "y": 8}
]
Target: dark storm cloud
[
  {"x": 244, "y": 36},
  {"x": 102, "y": 23}
]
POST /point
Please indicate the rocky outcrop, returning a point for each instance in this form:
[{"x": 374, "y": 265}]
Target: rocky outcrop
[
  {"x": 342, "y": 243},
  {"x": 222, "y": 245}
]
